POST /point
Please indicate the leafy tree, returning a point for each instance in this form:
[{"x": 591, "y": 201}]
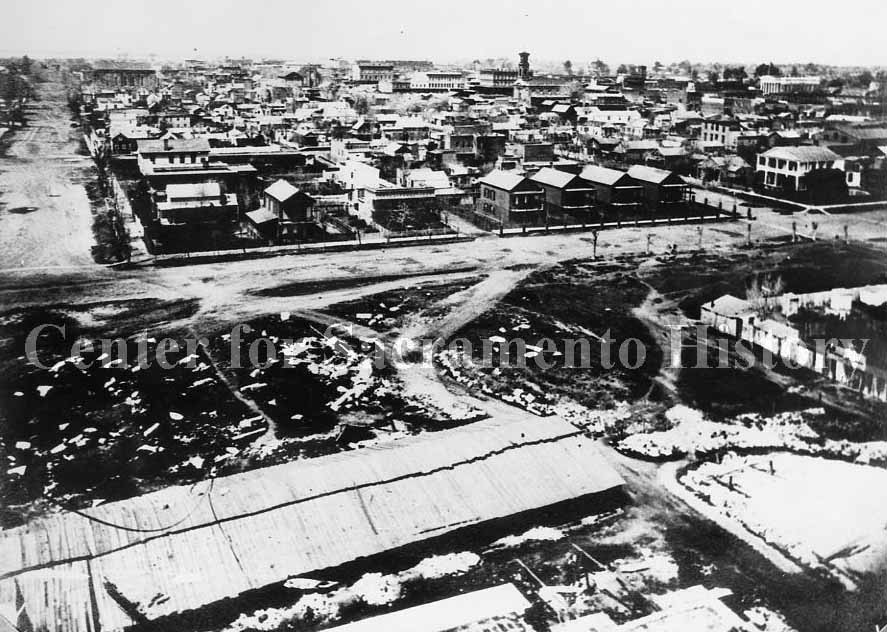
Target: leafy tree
[
  {"x": 735, "y": 74},
  {"x": 863, "y": 79},
  {"x": 713, "y": 76},
  {"x": 826, "y": 185},
  {"x": 600, "y": 68},
  {"x": 361, "y": 104},
  {"x": 767, "y": 69},
  {"x": 622, "y": 69},
  {"x": 657, "y": 66},
  {"x": 568, "y": 68}
]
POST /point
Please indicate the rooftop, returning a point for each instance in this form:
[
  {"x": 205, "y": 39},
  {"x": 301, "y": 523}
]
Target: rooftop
[{"x": 803, "y": 154}]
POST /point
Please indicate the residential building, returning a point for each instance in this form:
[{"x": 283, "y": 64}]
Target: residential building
[
  {"x": 786, "y": 167},
  {"x": 565, "y": 193},
  {"x": 510, "y": 198},
  {"x": 662, "y": 189},
  {"x": 293, "y": 209},
  {"x": 721, "y": 129},
  {"x": 614, "y": 190},
  {"x": 195, "y": 203}
]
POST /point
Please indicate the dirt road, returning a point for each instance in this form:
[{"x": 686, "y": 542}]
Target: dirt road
[{"x": 45, "y": 219}]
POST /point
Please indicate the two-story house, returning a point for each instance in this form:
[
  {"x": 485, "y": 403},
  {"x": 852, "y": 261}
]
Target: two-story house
[{"x": 511, "y": 198}]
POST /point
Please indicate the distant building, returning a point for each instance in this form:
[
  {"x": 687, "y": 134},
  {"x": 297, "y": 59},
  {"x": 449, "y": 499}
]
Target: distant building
[
  {"x": 497, "y": 80},
  {"x": 770, "y": 84},
  {"x": 120, "y": 74},
  {"x": 370, "y": 72},
  {"x": 436, "y": 81},
  {"x": 721, "y": 129}
]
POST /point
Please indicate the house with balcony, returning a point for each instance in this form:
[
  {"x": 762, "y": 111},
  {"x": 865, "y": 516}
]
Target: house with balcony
[
  {"x": 511, "y": 198},
  {"x": 292, "y": 208},
  {"x": 785, "y": 168},
  {"x": 616, "y": 193},
  {"x": 663, "y": 190},
  {"x": 565, "y": 194}
]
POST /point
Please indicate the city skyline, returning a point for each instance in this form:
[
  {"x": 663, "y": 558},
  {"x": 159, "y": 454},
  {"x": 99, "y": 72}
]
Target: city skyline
[{"x": 639, "y": 31}]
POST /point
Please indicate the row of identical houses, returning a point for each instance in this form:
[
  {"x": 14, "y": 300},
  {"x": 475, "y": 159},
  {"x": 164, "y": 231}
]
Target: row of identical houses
[{"x": 593, "y": 194}]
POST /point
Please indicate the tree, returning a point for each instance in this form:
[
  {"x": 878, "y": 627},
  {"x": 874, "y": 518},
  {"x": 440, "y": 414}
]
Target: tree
[
  {"x": 863, "y": 79},
  {"x": 568, "y": 68},
  {"x": 600, "y": 68},
  {"x": 622, "y": 69},
  {"x": 657, "y": 66},
  {"x": 795, "y": 72},
  {"x": 767, "y": 69},
  {"x": 361, "y": 104},
  {"x": 713, "y": 76},
  {"x": 761, "y": 289},
  {"x": 735, "y": 74},
  {"x": 826, "y": 185}
]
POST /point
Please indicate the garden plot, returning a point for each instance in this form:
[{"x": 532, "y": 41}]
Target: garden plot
[{"x": 824, "y": 513}]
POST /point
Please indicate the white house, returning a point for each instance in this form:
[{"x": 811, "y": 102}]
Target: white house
[{"x": 785, "y": 167}]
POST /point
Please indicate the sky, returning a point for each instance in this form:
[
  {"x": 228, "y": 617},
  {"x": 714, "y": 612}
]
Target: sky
[{"x": 617, "y": 31}]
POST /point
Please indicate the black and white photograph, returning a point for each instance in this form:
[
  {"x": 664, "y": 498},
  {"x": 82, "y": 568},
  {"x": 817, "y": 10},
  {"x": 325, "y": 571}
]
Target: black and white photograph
[{"x": 443, "y": 316}]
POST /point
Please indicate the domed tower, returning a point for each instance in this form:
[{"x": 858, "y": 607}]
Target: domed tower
[{"x": 523, "y": 67}]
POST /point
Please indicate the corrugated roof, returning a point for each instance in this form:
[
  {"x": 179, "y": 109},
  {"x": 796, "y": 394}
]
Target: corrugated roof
[{"x": 266, "y": 525}]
